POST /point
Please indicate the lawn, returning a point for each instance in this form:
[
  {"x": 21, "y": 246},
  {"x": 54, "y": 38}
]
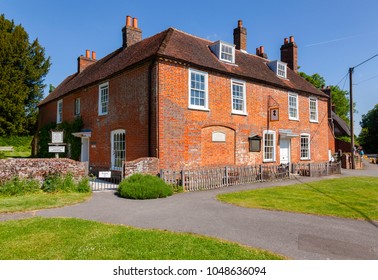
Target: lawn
[
  {"x": 40, "y": 200},
  {"x": 352, "y": 197},
  {"x": 75, "y": 239}
]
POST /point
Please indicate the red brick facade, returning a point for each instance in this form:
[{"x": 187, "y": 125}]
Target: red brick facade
[{"x": 149, "y": 101}]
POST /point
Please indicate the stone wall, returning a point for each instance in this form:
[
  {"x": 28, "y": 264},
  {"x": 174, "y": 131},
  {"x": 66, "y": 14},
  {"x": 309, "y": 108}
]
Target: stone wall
[
  {"x": 147, "y": 165},
  {"x": 40, "y": 168}
]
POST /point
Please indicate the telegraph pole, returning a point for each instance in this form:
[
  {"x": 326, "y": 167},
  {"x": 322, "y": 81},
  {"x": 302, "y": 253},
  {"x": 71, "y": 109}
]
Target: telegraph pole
[
  {"x": 351, "y": 116},
  {"x": 351, "y": 69}
]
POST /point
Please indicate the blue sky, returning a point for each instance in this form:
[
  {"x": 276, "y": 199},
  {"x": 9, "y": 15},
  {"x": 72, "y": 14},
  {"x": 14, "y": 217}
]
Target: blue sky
[{"x": 331, "y": 35}]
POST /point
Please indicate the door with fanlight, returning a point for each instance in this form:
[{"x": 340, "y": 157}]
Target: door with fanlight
[{"x": 118, "y": 148}]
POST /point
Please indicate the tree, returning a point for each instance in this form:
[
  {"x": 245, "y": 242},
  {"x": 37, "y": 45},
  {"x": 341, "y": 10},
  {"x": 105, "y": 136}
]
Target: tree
[
  {"x": 340, "y": 98},
  {"x": 369, "y": 133},
  {"x": 22, "y": 72}
]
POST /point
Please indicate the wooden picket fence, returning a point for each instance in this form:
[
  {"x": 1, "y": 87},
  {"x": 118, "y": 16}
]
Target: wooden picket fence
[
  {"x": 316, "y": 169},
  {"x": 212, "y": 178}
]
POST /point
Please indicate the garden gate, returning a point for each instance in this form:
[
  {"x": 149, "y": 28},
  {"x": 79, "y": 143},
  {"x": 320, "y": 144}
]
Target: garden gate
[{"x": 103, "y": 178}]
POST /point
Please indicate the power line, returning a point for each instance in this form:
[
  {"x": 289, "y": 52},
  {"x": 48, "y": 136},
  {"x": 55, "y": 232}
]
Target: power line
[
  {"x": 343, "y": 78},
  {"x": 365, "y": 61},
  {"x": 363, "y": 81}
]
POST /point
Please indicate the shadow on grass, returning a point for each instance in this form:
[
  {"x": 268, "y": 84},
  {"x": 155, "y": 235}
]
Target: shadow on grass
[{"x": 362, "y": 214}]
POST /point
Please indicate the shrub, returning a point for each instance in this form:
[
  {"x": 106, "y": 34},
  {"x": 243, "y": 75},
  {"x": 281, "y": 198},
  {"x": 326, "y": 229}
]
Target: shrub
[
  {"x": 83, "y": 185},
  {"x": 50, "y": 184},
  {"x": 56, "y": 183},
  {"x": 139, "y": 186},
  {"x": 18, "y": 186}
]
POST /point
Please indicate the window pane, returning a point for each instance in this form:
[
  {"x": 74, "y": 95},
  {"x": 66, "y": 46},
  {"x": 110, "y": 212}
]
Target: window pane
[
  {"x": 197, "y": 90},
  {"x": 293, "y": 112},
  {"x": 269, "y": 148}
]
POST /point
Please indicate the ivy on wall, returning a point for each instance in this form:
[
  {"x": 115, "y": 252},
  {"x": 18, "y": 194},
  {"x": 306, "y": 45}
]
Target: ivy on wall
[{"x": 73, "y": 148}]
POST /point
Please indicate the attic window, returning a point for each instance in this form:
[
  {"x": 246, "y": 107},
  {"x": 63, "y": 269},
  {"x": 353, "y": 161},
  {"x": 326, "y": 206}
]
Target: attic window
[
  {"x": 279, "y": 68},
  {"x": 224, "y": 51}
]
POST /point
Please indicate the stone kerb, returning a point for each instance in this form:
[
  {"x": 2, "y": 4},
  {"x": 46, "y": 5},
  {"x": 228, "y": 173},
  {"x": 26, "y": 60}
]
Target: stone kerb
[{"x": 40, "y": 168}]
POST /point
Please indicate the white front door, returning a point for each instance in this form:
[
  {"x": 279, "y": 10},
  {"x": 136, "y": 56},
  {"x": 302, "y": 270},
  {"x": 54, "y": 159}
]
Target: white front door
[
  {"x": 284, "y": 150},
  {"x": 84, "y": 149}
]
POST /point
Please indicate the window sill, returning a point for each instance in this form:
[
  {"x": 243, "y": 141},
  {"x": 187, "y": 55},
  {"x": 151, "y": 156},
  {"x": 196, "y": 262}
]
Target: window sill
[
  {"x": 290, "y": 119},
  {"x": 305, "y": 159},
  {"x": 199, "y": 109},
  {"x": 314, "y": 121},
  {"x": 239, "y": 113},
  {"x": 269, "y": 161}
]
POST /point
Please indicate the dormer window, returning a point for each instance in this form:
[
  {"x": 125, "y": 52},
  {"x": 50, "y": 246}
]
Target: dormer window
[
  {"x": 224, "y": 51},
  {"x": 279, "y": 67}
]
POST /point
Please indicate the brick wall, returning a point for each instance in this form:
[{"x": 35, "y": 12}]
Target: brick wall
[
  {"x": 182, "y": 131},
  {"x": 128, "y": 109},
  {"x": 146, "y": 165},
  {"x": 158, "y": 123},
  {"x": 40, "y": 168}
]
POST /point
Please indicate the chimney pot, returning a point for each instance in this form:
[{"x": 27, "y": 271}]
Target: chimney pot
[
  {"x": 240, "y": 23},
  {"x": 131, "y": 34},
  {"x": 261, "y": 49},
  {"x": 257, "y": 51},
  {"x": 87, "y": 53},
  {"x": 135, "y": 22},
  {"x": 128, "y": 21},
  {"x": 93, "y": 55},
  {"x": 289, "y": 53}
]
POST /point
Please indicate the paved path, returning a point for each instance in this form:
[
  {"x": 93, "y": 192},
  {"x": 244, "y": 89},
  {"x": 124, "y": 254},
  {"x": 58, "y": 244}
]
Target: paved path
[{"x": 296, "y": 236}]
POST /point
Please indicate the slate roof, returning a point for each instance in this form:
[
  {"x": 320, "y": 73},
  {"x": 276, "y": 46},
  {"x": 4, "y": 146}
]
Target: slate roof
[
  {"x": 341, "y": 127},
  {"x": 178, "y": 45}
]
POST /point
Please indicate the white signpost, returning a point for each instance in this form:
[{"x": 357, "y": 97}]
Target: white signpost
[{"x": 57, "y": 146}]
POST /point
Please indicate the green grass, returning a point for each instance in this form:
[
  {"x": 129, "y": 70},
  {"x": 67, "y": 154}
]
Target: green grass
[
  {"x": 352, "y": 197},
  {"x": 20, "y": 144},
  {"x": 40, "y": 200},
  {"x": 75, "y": 239}
]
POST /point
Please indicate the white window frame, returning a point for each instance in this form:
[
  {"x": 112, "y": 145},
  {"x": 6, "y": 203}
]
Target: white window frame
[
  {"x": 59, "y": 111},
  {"x": 223, "y": 53},
  {"x": 243, "y": 100},
  {"x": 113, "y": 147},
  {"x": 293, "y": 95},
  {"x": 308, "y": 148},
  {"x": 313, "y": 111},
  {"x": 77, "y": 107},
  {"x": 101, "y": 87},
  {"x": 204, "y": 90},
  {"x": 281, "y": 69},
  {"x": 273, "y": 158}
]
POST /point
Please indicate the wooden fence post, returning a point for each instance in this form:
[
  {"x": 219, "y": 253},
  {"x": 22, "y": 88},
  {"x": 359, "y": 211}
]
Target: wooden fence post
[{"x": 226, "y": 175}]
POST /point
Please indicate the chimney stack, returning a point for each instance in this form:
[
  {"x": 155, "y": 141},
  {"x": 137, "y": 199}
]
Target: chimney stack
[
  {"x": 289, "y": 53},
  {"x": 260, "y": 52},
  {"x": 331, "y": 107},
  {"x": 131, "y": 34},
  {"x": 240, "y": 36},
  {"x": 84, "y": 61}
]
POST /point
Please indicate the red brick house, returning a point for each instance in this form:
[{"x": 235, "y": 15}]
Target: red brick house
[{"x": 191, "y": 102}]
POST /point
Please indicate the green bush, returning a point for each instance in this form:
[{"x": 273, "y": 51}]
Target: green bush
[
  {"x": 18, "y": 186},
  {"x": 51, "y": 184},
  {"x": 139, "y": 186},
  {"x": 56, "y": 183},
  {"x": 83, "y": 185}
]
